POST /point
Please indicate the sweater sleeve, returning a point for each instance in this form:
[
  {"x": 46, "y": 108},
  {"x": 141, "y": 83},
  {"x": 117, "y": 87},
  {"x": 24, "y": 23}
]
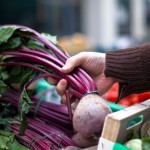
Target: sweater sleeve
[{"x": 131, "y": 66}]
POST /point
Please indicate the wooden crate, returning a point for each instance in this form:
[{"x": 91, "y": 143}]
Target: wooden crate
[{"x": 116, "y": 124}]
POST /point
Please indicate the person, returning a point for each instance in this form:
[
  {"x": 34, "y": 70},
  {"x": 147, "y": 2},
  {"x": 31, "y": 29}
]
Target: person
[{"x": 129, "y": 67}]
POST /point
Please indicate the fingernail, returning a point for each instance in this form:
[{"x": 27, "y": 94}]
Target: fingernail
[
  {"x": 63, "y": 82},
  {"x": 65, "y": 67}
]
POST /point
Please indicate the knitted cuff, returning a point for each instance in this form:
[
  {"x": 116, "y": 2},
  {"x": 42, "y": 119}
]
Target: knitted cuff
[{"x": 132, "y": 66}]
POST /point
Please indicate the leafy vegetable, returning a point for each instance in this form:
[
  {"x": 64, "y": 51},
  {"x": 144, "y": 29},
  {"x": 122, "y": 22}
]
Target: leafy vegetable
[
  {"x": 23, "y": 47},
  {"x": 25, "y": 106},
  {"x": 3, "y": 87},
  {"x": 134, "y": 144},
  {"x": 132, "y": 135},
  {"x": 39, "y": 55},
  {"x": 146, "y": 143},
  {"x": 6, "y": 32},
  {"x": 145, "y": 129},
  {"x": 8, "y": 141},
  {"x": 50, "y": 129}
]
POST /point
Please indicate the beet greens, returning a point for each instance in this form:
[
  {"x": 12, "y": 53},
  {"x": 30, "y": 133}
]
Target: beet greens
[
  {"x": 26, "y": 56},
  {"x": 49, "y": 129}
]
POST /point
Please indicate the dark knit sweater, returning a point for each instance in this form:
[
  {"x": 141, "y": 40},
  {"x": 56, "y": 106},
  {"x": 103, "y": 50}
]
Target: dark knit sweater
[{"x": 132, "y": 66}]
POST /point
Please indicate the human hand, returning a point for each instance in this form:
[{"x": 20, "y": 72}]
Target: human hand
[{"x": 94, "y": 64}]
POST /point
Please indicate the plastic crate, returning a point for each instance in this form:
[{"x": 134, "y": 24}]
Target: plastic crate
[{"x": 115, "y": 107}]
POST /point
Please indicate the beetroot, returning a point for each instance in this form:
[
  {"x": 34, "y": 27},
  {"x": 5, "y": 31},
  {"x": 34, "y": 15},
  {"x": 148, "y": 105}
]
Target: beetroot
[
  {"x": 83, "y": 141},
  {"x": 89, "y": 116}
]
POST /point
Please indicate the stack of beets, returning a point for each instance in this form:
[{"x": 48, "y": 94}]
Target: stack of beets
[{"x": 27, "y": 56}]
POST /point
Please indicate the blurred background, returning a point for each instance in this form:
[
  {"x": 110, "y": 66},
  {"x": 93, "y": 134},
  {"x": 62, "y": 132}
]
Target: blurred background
[{"x": 83, "y": 25}]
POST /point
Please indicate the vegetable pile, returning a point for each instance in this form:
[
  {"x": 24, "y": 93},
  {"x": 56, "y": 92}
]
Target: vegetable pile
[
  {"x": 27, "y": 56},
  {"x": 41, "y": 133},
  {"x": 139, "y": 140}
]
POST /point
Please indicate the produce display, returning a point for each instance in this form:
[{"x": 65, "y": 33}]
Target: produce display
[
  {"x": 48, "y": 128},
  {"x": 27, "y": 56},
  {"x": 112, "y": 96},
  {"x": 140, "y": 141},
  {"x": 127, "y": 129}
]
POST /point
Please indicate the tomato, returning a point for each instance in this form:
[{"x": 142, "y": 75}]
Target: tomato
[
  {"x": 125, "y": 102},
  {"x": 144, "y": 96},
  {"x": 115, "y": 87},
  {"x": 134, "y": 99},
  {"x": 112, "y": 96}
]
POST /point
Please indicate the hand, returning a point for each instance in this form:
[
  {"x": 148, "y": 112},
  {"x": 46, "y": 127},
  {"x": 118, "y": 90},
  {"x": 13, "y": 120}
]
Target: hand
[{"x": 94, "y": 64}]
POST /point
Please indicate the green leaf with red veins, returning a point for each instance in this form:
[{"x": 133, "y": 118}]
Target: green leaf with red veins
[
  {"x": 25, "y": 106},
  {"x": 6, "y": 32}
]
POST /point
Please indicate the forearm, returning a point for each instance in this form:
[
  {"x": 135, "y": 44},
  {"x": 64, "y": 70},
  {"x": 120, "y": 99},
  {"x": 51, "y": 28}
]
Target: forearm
[{"x": 131, "y": 67}]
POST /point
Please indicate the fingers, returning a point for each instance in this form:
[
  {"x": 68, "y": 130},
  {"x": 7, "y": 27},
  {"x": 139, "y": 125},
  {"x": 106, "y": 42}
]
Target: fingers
[
  {"x": 61, "y": 86},
  {"x": 73, "y": 62},
  {"x": 70, "y": 64},
  {"x": 71, "y": 99},
  {"x": 61, "y": 89},
  {"x": 63, "y": 99}
]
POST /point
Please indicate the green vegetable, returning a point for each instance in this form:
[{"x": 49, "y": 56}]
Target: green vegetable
[
  {"x": 134, "y": 144},
  {"x": 6, "y": 32},
  {"x": 146, "y": 143},
  {"x": 145, "y": 130},
  {"x": 8, "y": 141},
  {"x": 132, "y": 135},
  {"x": 6, "y": 113},
  {"x": 25, "y": 106},
  {"x": 40, "y": 53}
]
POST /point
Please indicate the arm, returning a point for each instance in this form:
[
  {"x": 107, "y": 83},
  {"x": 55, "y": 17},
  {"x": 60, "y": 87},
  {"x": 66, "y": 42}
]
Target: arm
[{"x": 132, "y": 67}]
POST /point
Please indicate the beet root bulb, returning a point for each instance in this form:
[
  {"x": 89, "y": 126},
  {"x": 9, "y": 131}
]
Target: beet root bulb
[
  {"x": 84, "y": 142},
  {"x": 89, "y": 115}
]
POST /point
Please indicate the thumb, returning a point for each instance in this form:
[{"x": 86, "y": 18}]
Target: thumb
[{"x": 73, "y": 62}]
